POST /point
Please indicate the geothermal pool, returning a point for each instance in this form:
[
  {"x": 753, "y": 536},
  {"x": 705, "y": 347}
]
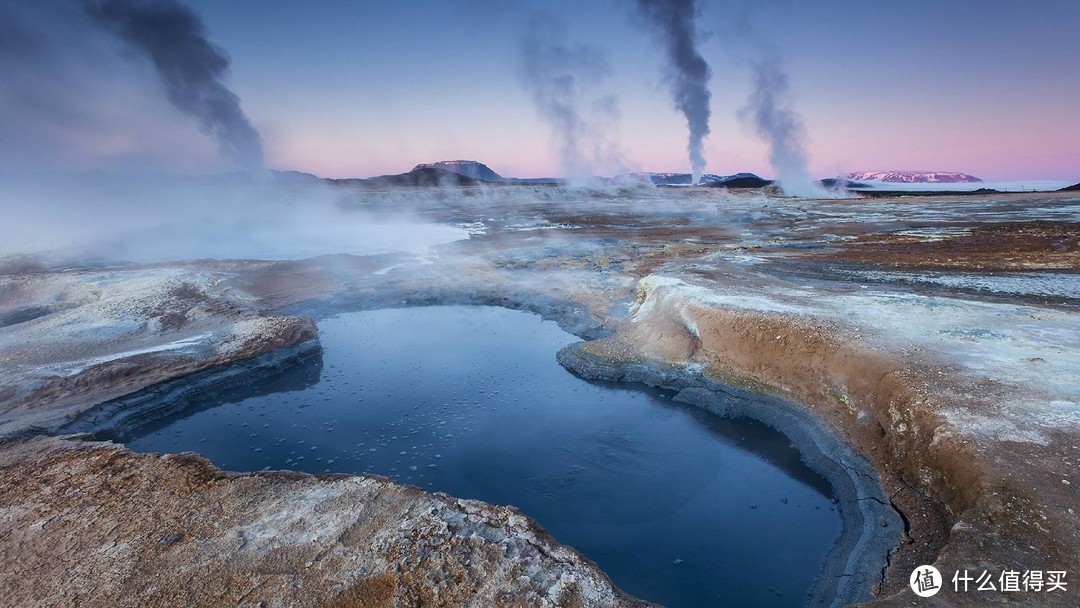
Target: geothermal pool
[{"x": 678, "y": 506}]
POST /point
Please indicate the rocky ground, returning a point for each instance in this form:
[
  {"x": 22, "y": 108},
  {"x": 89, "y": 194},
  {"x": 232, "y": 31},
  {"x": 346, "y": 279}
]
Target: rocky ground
[{"x": 938, "y": 336}]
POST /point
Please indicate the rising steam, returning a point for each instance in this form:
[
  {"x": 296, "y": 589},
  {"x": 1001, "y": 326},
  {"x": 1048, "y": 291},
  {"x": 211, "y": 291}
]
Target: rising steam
[
  {"x": 672, "y": 22},
  {"x": 174, "y": 39},
  {"x": 563, "y": 80},
  {"x": 769, "y": 111}
]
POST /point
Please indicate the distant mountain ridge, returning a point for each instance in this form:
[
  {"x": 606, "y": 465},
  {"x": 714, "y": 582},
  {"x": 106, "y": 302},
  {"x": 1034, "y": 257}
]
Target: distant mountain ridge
[
  {"x": 468, "y": 168},
  {"x": 913, "y": 177},
  {"x": 424, "y": 177},
  {"x": 475, "y": 173},
  {"x": 479, "y": 171}
]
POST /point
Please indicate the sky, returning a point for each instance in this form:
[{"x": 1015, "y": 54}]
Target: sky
[{"x": 352, "y": 89}]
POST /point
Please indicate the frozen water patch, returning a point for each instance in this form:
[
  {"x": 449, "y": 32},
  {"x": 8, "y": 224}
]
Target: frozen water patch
[
  {"x": 1047, "y": 284},
  {"x": 964, "y": 210},
  {"x": 475, "y": 228},
  {"x": 997, "y": 428},
  {"x": 1019, "y": 421},
  {"x": 182, "y": 345},
  {"x": 934, "y": 234},
  {"x": 556, "y": 226}
]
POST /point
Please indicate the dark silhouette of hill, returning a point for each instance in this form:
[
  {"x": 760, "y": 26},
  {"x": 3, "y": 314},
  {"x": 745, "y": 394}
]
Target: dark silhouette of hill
[
  {"x": 469, "y": 168},
  {"x": 423, "y": 177},
  {"x": 743, "y": 181}
]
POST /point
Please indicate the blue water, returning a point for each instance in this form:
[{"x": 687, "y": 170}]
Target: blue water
[{"x": 678, "y": 506}]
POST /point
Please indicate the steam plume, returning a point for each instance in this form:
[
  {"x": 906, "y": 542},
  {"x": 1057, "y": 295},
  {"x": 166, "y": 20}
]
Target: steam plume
[
  {"x": 562, "y": 79},
  {"x": 190, "y": 66},
  {"x": 687, "y": 71},
  {"x": 770, "y": 113}
]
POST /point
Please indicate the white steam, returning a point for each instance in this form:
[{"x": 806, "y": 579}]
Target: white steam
[
  {"x": 565, "y": 82},
  {"x": 770, "y": 113},
  {"x": 113, "y": 218}
]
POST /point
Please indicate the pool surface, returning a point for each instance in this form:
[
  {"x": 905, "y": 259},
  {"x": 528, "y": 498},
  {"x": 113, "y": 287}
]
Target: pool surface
[{"x": 678, "y": 506}]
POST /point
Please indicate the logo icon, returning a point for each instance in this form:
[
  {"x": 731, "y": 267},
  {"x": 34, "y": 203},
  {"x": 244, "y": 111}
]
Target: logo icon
[{"x": 925, "y": 581}]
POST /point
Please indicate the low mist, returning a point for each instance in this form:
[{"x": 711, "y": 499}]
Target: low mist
[{"x": 109, "y": 218}]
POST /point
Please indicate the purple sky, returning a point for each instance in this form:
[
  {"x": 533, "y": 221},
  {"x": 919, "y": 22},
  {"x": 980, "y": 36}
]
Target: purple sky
[{"x": 341, "y": 88}]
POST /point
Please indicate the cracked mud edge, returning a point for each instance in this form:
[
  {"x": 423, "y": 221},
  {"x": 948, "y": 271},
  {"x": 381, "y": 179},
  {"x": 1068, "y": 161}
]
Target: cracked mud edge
[{"x": 872, "y": 528}]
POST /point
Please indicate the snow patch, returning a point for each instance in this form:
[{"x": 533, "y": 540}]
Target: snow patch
[{"x": 184, "y": 344}]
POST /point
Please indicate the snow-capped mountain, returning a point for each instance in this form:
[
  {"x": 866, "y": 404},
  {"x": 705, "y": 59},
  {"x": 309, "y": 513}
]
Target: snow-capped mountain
[
  {"x": 913, "y": 177},
  {"x": 468, "y": 168}
]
